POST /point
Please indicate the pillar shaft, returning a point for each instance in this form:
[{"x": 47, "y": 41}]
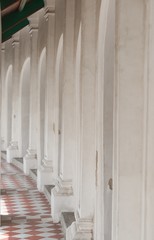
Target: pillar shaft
[
  {"x": 45, "y": 172},
  {"x": 12, "y": 150},
  {"x": 33, "y": 90},
  {"x": 3, "y": 99},
  {"x": 129, "y": 128},
  {"x": 62, "y": 194},
  {"x": 68, "y": 94},
  {"x": 88, "y": 82},
  {"x": 30, "y": 161},
  {"x": 148, "y": 166},
  {"x": 83, "y": 227},
  {"x": 15, "y": 102},
  {"x": 49, "y": 134}
]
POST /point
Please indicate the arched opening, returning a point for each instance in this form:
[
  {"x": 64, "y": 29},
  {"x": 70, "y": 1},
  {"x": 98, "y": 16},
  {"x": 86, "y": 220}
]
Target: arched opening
[
  {"x": 8, "y": 105},
  {"x": 58, "y": 108},
  {"x": 42, "y": 104},
  {"x": 104, "y": 124},
  {"x": 24, "y": 107}
]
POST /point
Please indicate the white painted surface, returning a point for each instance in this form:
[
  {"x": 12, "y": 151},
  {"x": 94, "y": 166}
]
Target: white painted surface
[
  {"x": 58, "y": 106},
  {"x": 8, "y": 108},
  {"x": 41, "y": 106},
  {"x": 70, "y": 47},
  {"x": 24, "y": 106},
  {"x": 129, "y": 121}
]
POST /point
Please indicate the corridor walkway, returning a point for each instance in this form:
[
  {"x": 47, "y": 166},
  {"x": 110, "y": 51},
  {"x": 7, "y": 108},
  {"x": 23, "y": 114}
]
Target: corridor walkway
[{"x": 25, "y": 211}]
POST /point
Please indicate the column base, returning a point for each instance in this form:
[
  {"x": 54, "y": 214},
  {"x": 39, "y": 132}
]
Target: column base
[
  {"x": 82, "y": 229},
  {"x": 12, "y": 151},
  {"x": 62, "y": 199},
  {"x": 30, "y": 161},
  {"x": 44, "y": 177}
]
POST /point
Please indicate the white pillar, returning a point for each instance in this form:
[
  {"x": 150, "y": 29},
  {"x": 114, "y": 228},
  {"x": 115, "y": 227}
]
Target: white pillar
[
  {"x": 3, "y": 99},
  {"x": 0, "y": 97},
  {"x": 148, "y": 164},
  {"x": 104, "y": 119},
  {"x": 45, "y": 171},
  {"x": 0, "y": 92},
  {"x": 12, "y": 150},
  {"x": 62, "y": 194},
  {"x": 30, "y": 159},
  {"x": 129, "y": 126},
  {"x": 83, "y": 227}
]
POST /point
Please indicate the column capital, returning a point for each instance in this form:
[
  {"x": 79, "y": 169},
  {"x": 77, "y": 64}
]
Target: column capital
[
  {"x": 13, "y": 145},
  {"x": 3, "y": 47},
  {"x": 34, "y": 22},
  {"x": 15, "y": 39},
  {"x": 31, "y": 153},
  {"x": 47, "y": 164},
  {"x": 49, "y": 8},
  {"x": 32, "y": 30},
  {"x": 64, "y": 187}
]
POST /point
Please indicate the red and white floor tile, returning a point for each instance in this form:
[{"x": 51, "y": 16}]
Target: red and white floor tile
[{"x": 26, "y": 214}]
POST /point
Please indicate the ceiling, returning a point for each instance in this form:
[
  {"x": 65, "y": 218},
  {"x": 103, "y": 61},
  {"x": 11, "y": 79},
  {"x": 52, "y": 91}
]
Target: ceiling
[{"x": 14, "y": 18}]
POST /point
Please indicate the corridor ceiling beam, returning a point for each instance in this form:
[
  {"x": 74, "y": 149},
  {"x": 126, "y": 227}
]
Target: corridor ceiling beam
[
  {"x": 13, "y": 18},
  {"x": 6, "y": 35},
  {"x": 22, "y": 4}
]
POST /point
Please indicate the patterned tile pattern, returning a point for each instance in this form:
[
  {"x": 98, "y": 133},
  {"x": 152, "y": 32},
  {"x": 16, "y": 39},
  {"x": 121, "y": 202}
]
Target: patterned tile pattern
[
  {"x": 26, "y": 214},
  {"x": 9, "y": 168},
  {"x": 13, "y": 181}
]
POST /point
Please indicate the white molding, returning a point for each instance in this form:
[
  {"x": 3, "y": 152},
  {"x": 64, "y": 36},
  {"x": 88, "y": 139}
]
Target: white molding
[
  {"x": 81, "y": 229},
  {"x": 3, "y": 47},
  {"x": 33, "y": 22},
  {"x": 16, "y": 39},
  {"x": 64, "y": 187}
]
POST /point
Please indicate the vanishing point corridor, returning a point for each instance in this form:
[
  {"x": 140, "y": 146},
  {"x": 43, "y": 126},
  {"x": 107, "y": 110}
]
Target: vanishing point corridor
[
  {"x": 77, "y": 119},
  {"x": 25, "y": 211}
]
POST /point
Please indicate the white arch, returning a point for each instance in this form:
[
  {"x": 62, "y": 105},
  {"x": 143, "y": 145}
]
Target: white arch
[
  {"x": 58, "y": 104},
  {"x": 24, "y": 96},
  {"x": 8, "y": 89},
  {"x": 41, "y": 105},
  {"x": 105, "y": 78}
]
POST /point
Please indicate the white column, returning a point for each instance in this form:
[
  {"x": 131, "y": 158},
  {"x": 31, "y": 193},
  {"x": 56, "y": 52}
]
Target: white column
[
  {"x": 3, "y": 99},
  {"x": 0, "y": 99},
  {"x": 82, "y": 228},
  {"x": 129, "y": 126},
  {"x": 148, "y": 166},
  {"x": 62, "y": 194},
  {"x": 12, "y": 150},
  {"x": 30, "y": 159},
  {"x": 104, "y": 119},
  {"x": 45, "y": 172},
  {"x": 1, "y": 83}
]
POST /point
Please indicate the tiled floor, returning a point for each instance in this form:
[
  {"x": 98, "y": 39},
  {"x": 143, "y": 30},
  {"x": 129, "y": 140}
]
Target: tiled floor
[{"x": 25, "y": 211}]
